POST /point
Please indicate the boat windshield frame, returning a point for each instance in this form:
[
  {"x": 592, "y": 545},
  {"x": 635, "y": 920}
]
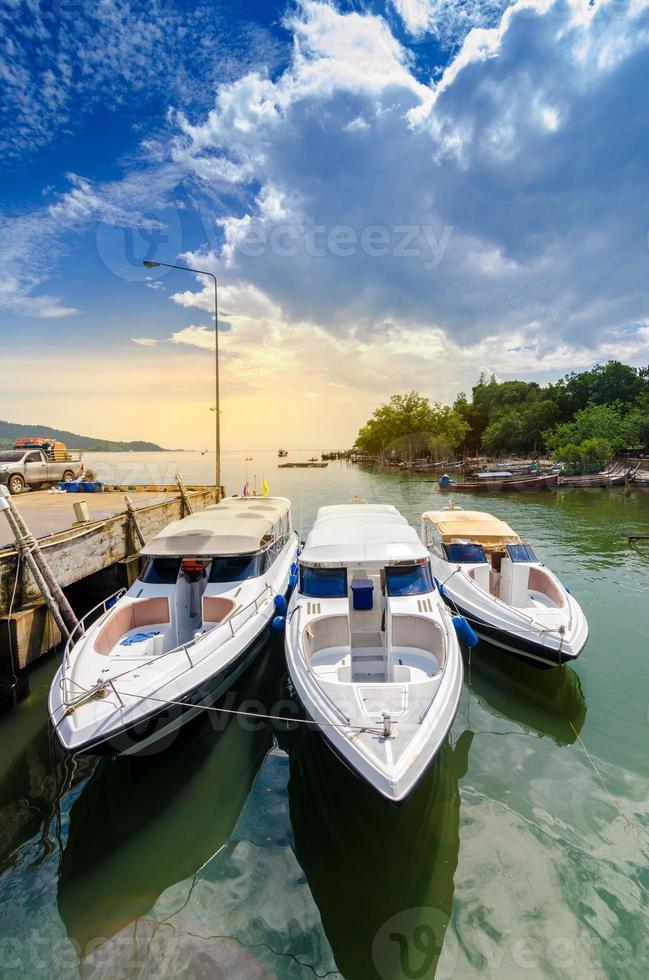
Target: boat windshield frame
[
  {"x": 326, "y": 574},
  {"x": 465, "y": 553},
  {"x": 521, "y": 553},
  {"x": 421, "y": 583}
]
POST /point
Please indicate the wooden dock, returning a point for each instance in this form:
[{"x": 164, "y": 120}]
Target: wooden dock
[{"x": 98, "y": 557}]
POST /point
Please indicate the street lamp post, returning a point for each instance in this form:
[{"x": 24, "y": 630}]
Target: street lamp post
[{"x": 217, "y": 411}]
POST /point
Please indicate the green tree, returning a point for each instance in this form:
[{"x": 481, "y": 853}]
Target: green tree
[
  {"x": 593, "y": 422},
  {"x": 594, "y": 455},
  {"x": 507, "y": 432},
  {"x": 410, "y": 425}
]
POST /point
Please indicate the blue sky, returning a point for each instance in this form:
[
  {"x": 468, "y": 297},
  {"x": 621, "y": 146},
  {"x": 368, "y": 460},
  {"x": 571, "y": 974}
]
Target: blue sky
[{"x": 393, "y": 195}]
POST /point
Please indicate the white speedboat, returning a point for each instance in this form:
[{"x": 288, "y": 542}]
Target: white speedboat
[
  {"x": 371, "y": 648},
  {"x": 491, "y": 577},
  {"x": 181, "y": 635}
]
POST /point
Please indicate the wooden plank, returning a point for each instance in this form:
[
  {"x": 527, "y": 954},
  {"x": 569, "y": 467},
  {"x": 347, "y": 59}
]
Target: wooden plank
[{"x": 78, "y": 552}]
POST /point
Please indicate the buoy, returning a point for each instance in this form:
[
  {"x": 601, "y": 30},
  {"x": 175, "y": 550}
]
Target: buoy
[
  {"x": 294, "y": 568},
  {"x": 280, "y": 605},
  {"x": 292, "y": 582},
  {"x": 464, "y": 632},
  {"x": 277, "y": 624}
]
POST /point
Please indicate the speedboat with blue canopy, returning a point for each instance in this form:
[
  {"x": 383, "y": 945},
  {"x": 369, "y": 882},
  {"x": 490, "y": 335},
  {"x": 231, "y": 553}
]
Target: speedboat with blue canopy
[
  {"x": 371, "y": 647},
  {"x": 148, "y": 659},
  {"x": 494, "y": 579}
]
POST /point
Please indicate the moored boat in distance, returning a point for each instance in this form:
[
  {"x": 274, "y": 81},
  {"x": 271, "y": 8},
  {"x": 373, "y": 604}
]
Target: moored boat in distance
[
  {"x": 497, "y": 482},
  {"x": 371, "y": 648},
  {"x": 193, "y": 620},
  {"x": 490, "y": 576},
  {"x": 282, "y": 452}
]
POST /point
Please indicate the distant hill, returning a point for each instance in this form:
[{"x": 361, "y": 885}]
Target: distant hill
[{"x": 14, "y": 430}]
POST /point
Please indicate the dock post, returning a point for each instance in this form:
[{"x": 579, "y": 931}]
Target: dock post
[
  {"x": 27, "y": 547},
  {"x": 187, "y": 504},
  {"x": 133, "y": 521}
]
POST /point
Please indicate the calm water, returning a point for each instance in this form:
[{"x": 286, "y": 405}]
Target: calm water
[{"x": 249, "y": 852}]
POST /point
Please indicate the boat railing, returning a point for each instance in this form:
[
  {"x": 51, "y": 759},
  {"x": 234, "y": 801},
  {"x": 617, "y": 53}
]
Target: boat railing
[
  {"x": 80, "y": 628},
  {"x": 225, "y": 627}
]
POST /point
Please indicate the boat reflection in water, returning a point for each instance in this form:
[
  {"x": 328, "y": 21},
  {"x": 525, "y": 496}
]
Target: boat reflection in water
[
  {"x": 382, "y": 876},
  {"x": 143, "y": 824},
  {"x": 548, "y": 703}
]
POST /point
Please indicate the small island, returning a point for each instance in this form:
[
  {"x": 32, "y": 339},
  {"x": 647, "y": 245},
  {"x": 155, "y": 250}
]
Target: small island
[{"x": 9, "y": 431}]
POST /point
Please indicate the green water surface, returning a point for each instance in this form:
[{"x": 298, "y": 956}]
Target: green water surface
[{"x": 246, "y": 850}]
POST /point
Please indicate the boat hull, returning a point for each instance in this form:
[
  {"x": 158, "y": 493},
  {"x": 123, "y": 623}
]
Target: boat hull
[
  {"x": 347, "y": 761},
  {"x": 501, "y": 486},
  {"x": 154, "y": 730},
  {"x": 133, "y": 723},
  {"x": 394, "y": 787},
  {"x": 523, "y": 648}
]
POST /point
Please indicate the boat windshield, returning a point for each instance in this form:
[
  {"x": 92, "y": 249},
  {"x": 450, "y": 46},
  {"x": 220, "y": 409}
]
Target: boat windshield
[
  {"x": 521, "y": 552},
  {"x": 237, "y": 568},
  {"x": 323, "y": 583},
  {"x": 465, "y": 554},
  {"x": 408, "y": 579},
  {"x": 161, "y": 571}
]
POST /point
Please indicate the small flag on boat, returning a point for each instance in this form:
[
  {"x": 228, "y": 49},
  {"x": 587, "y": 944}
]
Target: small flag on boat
[
  {"x": 246, "y": 489},
  {"x": 264, "y": 488}
]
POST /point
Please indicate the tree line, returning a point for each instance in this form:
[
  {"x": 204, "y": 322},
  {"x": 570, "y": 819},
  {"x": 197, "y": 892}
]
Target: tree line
[{"x": 585, "y": 418}]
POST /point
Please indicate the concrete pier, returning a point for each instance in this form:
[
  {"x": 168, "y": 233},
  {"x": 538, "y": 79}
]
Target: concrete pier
[{"x": 89, "y": 560}]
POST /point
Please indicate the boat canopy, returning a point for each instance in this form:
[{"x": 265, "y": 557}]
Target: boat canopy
[
  {"x": 355, "y": 533},
  {"x": 471, "y": 525},
  {"x": 234, "y": 526}
]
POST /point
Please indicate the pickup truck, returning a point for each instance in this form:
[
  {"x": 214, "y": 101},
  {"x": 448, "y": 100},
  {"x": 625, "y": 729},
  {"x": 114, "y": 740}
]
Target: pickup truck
[{"x": 20, "y": 468}]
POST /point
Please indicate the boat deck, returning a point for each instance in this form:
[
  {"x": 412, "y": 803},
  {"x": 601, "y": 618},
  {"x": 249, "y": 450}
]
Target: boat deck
[{"x": 367, "y": 664}]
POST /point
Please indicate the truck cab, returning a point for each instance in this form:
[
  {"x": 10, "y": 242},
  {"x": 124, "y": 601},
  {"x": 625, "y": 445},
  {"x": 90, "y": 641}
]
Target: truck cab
[{"x": 34, "y": 468}]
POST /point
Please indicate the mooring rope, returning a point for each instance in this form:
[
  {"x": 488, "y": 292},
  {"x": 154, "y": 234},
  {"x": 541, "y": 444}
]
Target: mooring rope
[
  {"x": 11, "y": 609},
  {"x": 599, "y": 775},
  {"x": 96, "y": 692},
  {"x": 252, "y": 714}
]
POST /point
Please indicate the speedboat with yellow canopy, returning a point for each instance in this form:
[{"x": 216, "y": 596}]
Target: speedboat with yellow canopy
[
  {"x": 494, "y": 579},
  {"x": 148, "y": 659},
  {"x": 371, "y": 647}
]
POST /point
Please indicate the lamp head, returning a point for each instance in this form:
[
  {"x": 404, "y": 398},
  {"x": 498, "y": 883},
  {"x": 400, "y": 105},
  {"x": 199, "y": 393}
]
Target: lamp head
[{"x": 151, "y": 265}]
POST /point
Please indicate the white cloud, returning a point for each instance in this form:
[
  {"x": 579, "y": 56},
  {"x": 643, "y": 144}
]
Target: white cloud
[
  {"x": 32, "y": 243},
  {"x": 531, "y": 149},
  {"x": 61, "y": 61},
  {"x": 521, "y": 149},
  {"x": 194, "y": 336},
  {"x": 145, "y": 341},
  {"x": 447, "y": 20}
]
